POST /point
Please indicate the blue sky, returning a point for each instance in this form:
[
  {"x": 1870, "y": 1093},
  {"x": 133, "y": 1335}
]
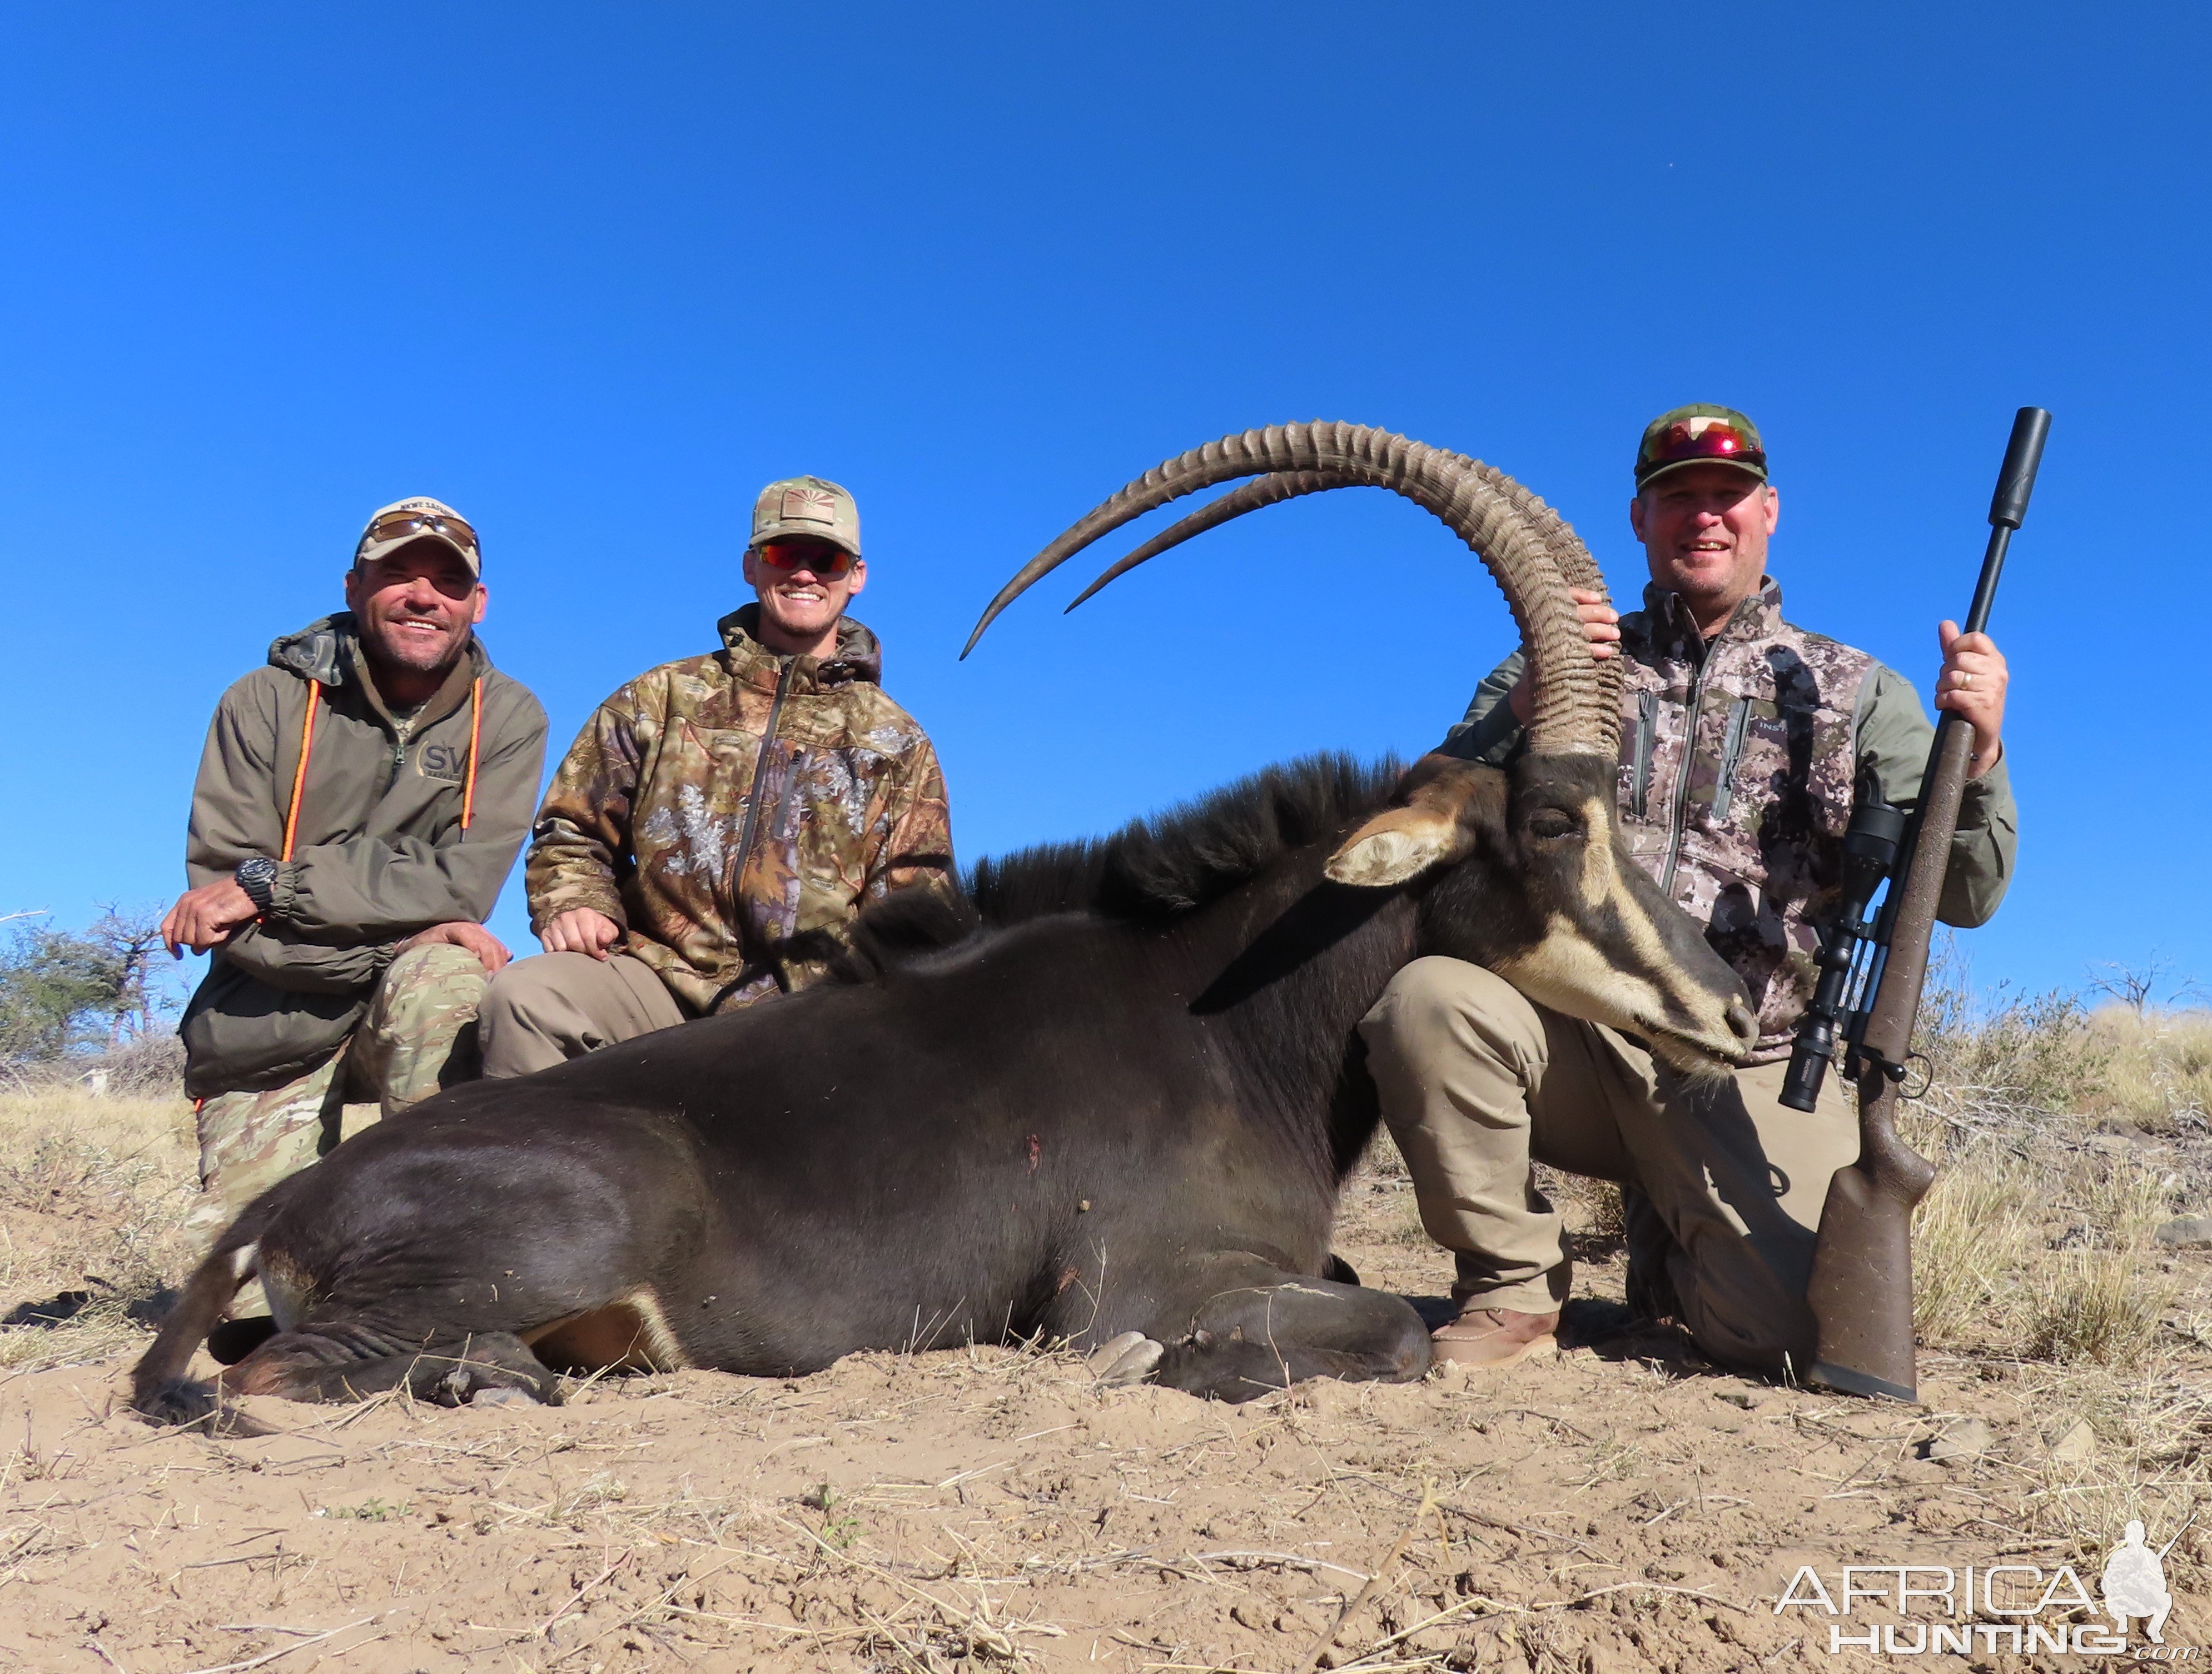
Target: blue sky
[{"x": 593, "y": 275}]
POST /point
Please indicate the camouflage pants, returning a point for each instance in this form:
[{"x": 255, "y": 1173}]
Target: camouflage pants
[{"x": 419, "y": 1036}]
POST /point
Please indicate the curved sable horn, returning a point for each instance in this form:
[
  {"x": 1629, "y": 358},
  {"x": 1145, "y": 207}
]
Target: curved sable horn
[
  {"x": 1531, "y": 552},
  {"x": 1269, "y": 490},
  {"x": 1567, "y": 550}
]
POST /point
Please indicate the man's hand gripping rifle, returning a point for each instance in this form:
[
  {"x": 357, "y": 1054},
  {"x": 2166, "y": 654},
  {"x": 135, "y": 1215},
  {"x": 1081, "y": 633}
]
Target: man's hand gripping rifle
[{"x": 1868, "y": 993}]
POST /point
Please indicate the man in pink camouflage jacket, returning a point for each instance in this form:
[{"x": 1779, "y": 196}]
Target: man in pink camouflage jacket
[
  {"x": 717, "y": 808},
  {"x": 1742, "y": 739}
]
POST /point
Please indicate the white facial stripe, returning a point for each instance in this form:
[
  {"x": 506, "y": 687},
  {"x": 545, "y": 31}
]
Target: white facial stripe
[
  {"x": 1566, "y": 972},
  {"x": 1602, "y": 885},
  {"x": 1598, "y": 877}
]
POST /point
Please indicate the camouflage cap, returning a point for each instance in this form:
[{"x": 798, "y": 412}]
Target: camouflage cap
[
  {"x": 808, "y": 505},
  {"x": 1700, "y": 434},
  {"x": 390, "y": 527}
]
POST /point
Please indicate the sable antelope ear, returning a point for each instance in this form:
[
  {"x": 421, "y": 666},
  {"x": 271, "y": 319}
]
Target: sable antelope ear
[{"x": 1429, "y": 828}]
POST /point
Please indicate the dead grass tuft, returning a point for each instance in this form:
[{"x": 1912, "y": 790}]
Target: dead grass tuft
[
  {"x": 2158, "y": 1069},
  {"x": 96, "y": 1191}
]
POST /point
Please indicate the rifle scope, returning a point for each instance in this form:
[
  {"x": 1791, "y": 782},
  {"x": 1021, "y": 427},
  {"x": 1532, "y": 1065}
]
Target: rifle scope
[{"x": 1869, "y": 850}]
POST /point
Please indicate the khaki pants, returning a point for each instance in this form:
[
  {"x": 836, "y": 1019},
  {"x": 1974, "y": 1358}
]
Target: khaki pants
[
  {"x": 419, "y": 1036},
  {"x": 1476, "y": 1079},
  {"x": 546, "y": 1009}
]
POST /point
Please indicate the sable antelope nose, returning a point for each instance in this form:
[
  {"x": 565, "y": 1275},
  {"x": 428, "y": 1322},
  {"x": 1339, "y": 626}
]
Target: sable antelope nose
[{"x": 1741, "y": 1020}]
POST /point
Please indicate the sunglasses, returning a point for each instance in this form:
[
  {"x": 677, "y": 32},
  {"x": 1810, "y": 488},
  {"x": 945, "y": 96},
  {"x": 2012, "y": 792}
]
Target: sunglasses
[
  {"x": 398, "y": 526},
  {"x": 827, "y": 563},
  {"x": 1714, "y": 440}
]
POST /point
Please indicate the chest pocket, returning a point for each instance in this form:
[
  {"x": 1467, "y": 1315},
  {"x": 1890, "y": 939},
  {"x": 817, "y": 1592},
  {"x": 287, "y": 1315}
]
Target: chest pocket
[
  {"x": 1644, "y": 741},
  {"x": 1790, "y": 756},
  {"x": 1732, "y": 737}
]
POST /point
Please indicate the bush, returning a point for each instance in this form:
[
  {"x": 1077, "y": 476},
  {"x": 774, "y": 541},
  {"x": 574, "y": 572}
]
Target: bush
[{"x": 66, "y": 995}]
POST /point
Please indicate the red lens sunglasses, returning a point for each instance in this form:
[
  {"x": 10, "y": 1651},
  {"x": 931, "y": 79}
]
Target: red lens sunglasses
[{"x": 830, "y": 563}]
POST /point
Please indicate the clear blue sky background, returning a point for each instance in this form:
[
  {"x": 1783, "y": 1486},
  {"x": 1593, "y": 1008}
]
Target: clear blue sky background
[{"x": 595, "y": 274}]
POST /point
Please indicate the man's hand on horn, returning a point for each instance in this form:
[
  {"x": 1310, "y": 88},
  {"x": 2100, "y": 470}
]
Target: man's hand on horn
[
  {"x": 1600, "y": 621},
  {"x": 1972, "y": 685}
]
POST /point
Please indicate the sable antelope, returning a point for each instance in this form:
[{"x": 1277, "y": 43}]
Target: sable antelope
[{"x": 1109, "y": 1097}]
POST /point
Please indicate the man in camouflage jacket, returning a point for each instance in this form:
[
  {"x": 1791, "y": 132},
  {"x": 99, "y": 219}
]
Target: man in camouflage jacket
[
  {"x": 1744, "y": 740},
  {"x": 360, "y": 802},
  {"x": 717, "y": 808}
]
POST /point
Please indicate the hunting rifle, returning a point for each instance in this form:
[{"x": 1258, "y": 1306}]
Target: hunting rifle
[{"x": 1867, "y": 995}]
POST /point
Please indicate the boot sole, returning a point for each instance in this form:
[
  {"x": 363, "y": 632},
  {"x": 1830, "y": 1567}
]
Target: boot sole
[{"x": 1536, "y": 1348}]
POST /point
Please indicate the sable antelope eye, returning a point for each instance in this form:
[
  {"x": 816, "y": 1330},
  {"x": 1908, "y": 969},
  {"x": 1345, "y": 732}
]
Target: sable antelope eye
[{"x": 1549, "y": 822}]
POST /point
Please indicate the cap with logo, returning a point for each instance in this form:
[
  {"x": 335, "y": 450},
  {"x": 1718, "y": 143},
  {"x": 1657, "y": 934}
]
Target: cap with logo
[
  {"x": 808, "y": 505},
  {"x": 390, "y": 527},
  {"x": 1700, "y": 434}
]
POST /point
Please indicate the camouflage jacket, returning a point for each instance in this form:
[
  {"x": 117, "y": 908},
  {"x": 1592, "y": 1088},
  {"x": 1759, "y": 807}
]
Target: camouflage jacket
[
  {"x": 379, "y": 852},
  {"x": 718, "y": 806},
  {"x": 1738, "y": 763}
]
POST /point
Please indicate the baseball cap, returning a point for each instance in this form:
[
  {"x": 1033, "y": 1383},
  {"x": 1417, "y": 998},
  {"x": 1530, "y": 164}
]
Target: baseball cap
[
  {"x": 1700, "y": 434},
  {"x": 390, "y": 527},
  {"x": 808, "y": 505}
]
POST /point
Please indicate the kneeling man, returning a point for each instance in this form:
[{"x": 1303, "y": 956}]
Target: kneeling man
[
  {"x": 716, "y": 808},
  {"x": 1742, "y": 739},
  {"x": 360, "y": 802}
]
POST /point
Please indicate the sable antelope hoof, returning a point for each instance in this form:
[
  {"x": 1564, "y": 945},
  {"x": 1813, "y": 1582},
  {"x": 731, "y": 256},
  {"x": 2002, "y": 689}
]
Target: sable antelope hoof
[
  {"x": 1128, "y": 1359},
  {"x": 492, "y": 1396}
]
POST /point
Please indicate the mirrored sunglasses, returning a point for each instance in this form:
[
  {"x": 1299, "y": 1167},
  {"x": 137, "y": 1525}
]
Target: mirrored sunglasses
[
  {"x": 828, "y": 562},
  {"x": 405, "y": 525},
  {"x": 1714, "y": 440}
]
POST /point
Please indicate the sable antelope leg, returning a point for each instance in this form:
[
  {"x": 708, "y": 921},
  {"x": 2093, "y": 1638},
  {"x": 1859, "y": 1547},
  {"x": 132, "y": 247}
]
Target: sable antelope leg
[
  {"x": 1257, "y": 1328},
  {"x": 306, "y": 1365}
]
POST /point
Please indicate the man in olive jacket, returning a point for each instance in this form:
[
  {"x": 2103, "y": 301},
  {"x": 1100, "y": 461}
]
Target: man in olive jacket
[
  {"x": 716, "y": 808},
  {"x": 360, "y": 802}
]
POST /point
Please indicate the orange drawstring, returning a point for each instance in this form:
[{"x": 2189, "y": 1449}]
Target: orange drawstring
[
  {"x": 307, "y": 746},
  {"x": 476, "y": 725},
  {"x": 299, "y": 777}
]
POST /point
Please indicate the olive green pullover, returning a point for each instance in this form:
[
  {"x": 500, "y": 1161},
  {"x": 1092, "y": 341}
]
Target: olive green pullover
[{"x": 380, "y": 852}]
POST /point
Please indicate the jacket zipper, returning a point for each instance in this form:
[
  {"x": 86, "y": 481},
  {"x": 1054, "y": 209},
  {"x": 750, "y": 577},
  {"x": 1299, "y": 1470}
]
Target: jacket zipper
[
  {"x": 1680, "y": 816},
  {"x": 752, "y": 794},
  {"x": 1647, "y": 726},
  {"x": 1731, "y": 753}
]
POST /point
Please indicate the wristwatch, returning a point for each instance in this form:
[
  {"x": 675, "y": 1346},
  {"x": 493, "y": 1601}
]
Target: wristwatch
[{"x": 257, "y": 875}]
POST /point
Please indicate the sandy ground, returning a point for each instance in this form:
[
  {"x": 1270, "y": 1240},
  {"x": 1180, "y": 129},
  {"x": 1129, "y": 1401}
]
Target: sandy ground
[{"x": 1621, "y": 1507}]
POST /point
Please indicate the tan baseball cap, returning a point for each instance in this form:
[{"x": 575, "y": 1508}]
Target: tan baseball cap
[
  {"x": 808, "y": 505},
  {"x": 390, "y": 527}
]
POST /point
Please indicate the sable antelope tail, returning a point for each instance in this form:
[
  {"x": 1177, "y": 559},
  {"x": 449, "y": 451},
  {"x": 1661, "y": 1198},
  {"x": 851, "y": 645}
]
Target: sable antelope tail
[{"x": 159, "y": 1388}]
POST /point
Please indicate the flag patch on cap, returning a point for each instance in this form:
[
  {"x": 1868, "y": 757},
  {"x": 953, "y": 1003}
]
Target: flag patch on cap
[{"x": 808, "y": 505}]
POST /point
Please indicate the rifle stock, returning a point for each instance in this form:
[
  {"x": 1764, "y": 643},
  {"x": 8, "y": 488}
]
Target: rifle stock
[{"x": 1861, "y": 1289}]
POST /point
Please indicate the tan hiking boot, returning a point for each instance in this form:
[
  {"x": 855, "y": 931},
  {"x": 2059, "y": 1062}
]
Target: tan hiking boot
[{"x": 1497, "y": 1336}]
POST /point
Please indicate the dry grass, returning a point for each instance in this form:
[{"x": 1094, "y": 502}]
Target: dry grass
[
  {"x": 93, "y": 1196},
  {"x": 2159, "y": 1073}
]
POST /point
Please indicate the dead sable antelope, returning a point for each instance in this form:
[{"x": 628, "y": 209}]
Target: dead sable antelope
[{"x": 1110, "y": 1097}]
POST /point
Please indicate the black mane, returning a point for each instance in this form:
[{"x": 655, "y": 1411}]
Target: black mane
[
  {"x": 1153, "y": 868},
  {"x": 1177, "y": 861}
]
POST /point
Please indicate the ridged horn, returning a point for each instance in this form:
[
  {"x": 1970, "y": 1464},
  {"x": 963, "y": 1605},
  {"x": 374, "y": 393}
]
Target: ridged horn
[
  {"x": 1269, "y": 490},
  {"x": 1533, "y": 555},
  {"x": 1573, "y": 558}
]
